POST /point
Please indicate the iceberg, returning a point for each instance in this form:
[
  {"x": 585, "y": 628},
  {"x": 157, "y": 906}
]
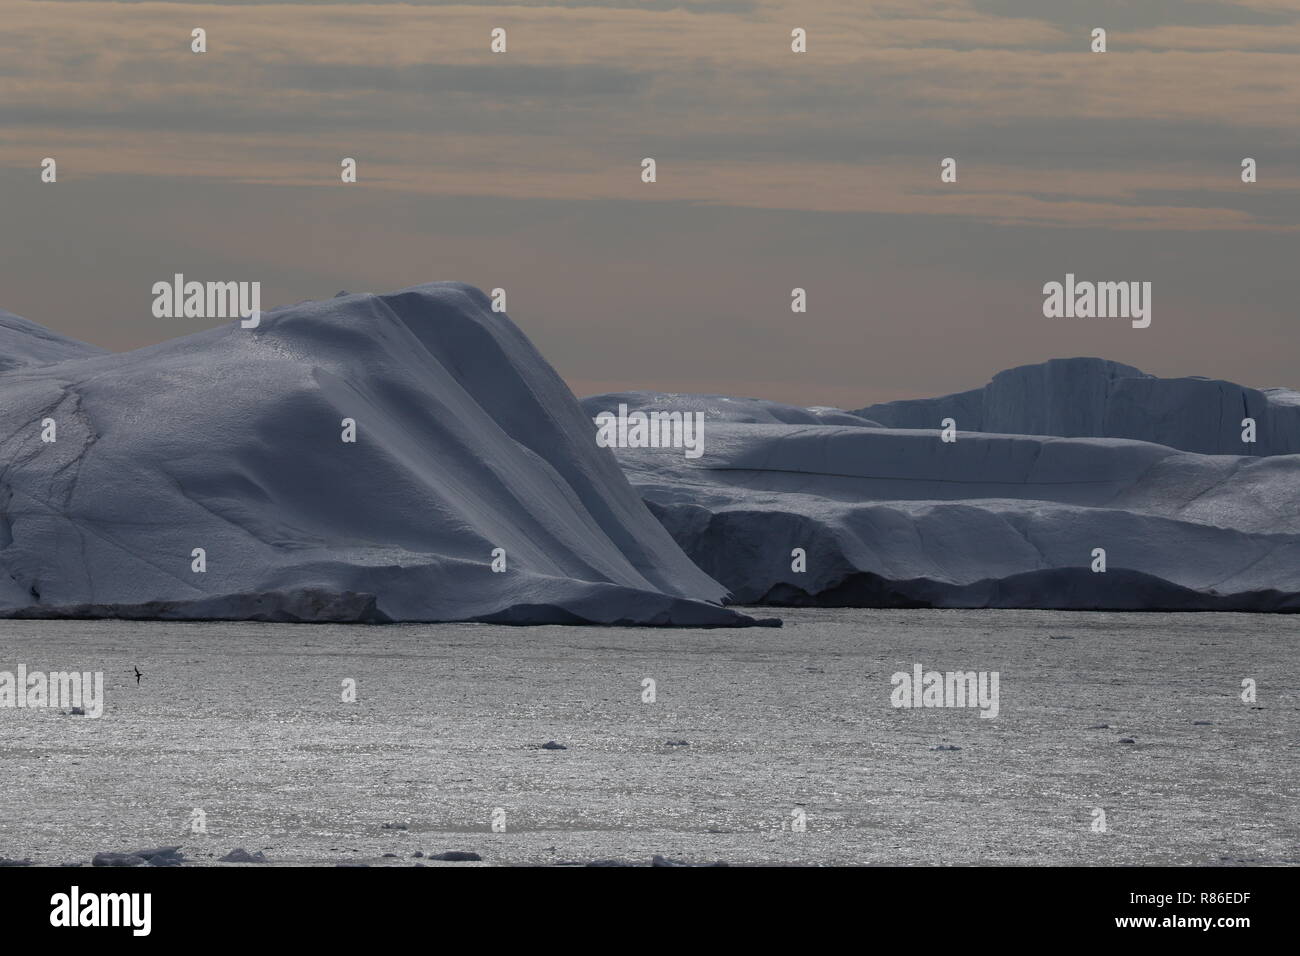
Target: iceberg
[
  {"x": 210, "y": 477},
  {"x": 854, "y": 515},
  {"x": 1096, "y": 398}
]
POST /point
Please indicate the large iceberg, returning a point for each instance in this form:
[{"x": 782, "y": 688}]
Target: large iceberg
[
  {"x": 1095, "y": 398},
  {"x": 854, "y": 515},
  {"x": 207, "y": 477}
]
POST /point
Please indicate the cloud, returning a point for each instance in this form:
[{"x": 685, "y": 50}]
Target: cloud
[
  {"x": 527, "y": 80},
  {"x": 775, "y": 169},
  {"x": 1125, "y": 15}
]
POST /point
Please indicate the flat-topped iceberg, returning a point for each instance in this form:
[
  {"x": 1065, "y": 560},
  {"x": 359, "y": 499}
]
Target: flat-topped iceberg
[
  {"x": 1096, "y": 398},
  {"x": 853, "y": 515}
]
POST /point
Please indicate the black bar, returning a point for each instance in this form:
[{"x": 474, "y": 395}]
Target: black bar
[{"x": 334, "y": 904}]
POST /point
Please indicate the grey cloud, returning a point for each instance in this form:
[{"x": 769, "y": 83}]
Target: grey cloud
[
  {"x": 1128, "y": 15},
  {"x": 496, "y": 80},
  {"x": 1095, "y": 144}
]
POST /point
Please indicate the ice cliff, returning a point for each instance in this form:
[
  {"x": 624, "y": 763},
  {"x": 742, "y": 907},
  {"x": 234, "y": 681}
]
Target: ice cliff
[
  {"x": 230, "y": 440},
  {"x": 854, "y": 515}
]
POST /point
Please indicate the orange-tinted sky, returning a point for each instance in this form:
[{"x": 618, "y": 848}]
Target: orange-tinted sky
[{"x": 775, "y": 170}]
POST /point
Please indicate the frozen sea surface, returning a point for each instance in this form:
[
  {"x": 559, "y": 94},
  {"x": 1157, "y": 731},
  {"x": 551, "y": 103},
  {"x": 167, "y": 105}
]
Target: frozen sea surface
[{"x": 245, "y": 722}]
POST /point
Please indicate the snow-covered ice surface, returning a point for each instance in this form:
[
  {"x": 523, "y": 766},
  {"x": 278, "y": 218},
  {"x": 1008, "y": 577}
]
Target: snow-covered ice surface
[
  {"x": 24, "y": 343},
  {"x": 244, "y": 721},
  {"x": 895, "y": 517},
  {"x": 229, "y": 440},
  {"x": 722, "y": 408}
]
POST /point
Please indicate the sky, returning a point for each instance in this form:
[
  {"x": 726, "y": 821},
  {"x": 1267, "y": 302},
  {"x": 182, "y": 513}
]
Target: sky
[{"x": 775, "y": 170}]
